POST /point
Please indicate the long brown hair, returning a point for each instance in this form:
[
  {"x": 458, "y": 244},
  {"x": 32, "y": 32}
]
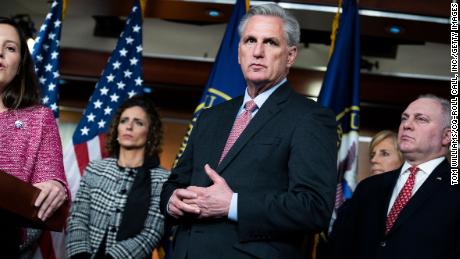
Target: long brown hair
[
  {"x": 155, "y": 132},
  {"x": 24, "y": 90}
]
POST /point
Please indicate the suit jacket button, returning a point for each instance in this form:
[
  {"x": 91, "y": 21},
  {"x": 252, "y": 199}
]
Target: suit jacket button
[{"x": 383, "y": 244}]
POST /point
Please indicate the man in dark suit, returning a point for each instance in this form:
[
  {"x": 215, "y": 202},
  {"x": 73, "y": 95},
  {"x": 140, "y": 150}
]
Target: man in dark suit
[
  {"x": 414, "y": 211},
  {"x": 264, "y": 194}
]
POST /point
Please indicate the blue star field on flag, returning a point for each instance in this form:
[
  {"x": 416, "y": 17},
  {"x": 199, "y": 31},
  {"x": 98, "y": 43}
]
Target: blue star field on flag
[
  {"x": 121, "y": 79},
  {"x": 45, "y": 54}
]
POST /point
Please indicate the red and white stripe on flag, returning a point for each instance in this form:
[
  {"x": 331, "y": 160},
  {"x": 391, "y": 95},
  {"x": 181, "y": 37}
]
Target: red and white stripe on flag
[
  {"x": 120, "y": 79},
  {"x": 77, "y": 157}
]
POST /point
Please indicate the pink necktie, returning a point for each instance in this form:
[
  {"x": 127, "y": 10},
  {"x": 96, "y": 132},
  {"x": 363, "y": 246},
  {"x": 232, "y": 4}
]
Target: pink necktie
[
  {"x": 238, "y": 126},
  {"x": 402, "y": 199}
]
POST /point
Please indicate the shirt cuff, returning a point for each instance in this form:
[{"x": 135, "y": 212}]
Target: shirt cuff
[
  {"x": 233, "y": 210},
  {"x": 167, "y": 206}
]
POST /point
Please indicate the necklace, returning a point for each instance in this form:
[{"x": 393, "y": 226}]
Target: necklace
[{"x": 129, "y": 165}]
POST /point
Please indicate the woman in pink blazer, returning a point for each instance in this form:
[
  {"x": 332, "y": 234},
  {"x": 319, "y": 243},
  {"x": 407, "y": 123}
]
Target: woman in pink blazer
[{"x": 30, "y": 147}]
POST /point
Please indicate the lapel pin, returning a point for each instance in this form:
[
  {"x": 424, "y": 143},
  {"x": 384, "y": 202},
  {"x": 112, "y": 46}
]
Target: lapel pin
[{"x": 19, "y": 124}]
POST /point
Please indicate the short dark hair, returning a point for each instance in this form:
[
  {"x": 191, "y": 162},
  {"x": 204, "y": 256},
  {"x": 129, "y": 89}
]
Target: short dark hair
[
  {"x": 155, "y": 131},
  {"x": 24, "y": 90}
]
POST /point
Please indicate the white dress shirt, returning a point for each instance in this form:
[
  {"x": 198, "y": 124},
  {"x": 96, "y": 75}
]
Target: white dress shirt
[{"x": 425, "y": 170}]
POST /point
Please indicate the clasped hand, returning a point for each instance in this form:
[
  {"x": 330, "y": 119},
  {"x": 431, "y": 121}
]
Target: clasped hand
[
  {"x": 51, "y": 197},
  {"x": 205, "y": 202}
]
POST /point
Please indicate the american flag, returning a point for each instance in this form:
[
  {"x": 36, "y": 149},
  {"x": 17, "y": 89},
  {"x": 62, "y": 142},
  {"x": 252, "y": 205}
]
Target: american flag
[
  {"x": 45, "y": 54},
  {"x": 121, "y": 78}
]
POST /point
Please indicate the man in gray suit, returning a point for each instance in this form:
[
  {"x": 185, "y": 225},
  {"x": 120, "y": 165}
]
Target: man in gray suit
[{"x": 258, "y": 175}]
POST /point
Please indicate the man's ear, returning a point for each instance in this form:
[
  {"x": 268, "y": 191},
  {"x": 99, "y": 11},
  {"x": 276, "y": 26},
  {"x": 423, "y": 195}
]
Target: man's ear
[
  {"x": 446, "y": 136},
  {"x": 292, "y": 54}
]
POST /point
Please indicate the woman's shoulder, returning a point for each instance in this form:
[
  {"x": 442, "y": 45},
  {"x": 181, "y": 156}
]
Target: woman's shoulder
[
  {"x": 38, "y": 114},
  {"x": 106, "y": 167},
  {"x": 36, "y": 110},
  {"x": 159, "y": 173},
  {"x": 102, "y": 163}
]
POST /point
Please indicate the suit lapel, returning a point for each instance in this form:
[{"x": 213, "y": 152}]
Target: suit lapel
[
  {"x": 390, "y": 180},
  {"x": 426, "y": 191},
  {"x": 268, "y": 110}
]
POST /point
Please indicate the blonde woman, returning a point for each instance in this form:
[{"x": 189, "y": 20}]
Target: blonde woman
[{"x": 384, "y": 154}]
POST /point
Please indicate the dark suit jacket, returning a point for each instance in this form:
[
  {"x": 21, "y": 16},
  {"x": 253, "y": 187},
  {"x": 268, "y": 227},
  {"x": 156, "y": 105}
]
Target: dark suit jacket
[
  {"x": 427, "y": 228},
  {"x": 283, "y": 168}
]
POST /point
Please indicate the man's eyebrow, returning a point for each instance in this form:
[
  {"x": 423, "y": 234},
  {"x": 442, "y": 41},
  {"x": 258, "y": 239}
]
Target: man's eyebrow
[
  {"x": 248, "y": 36},
  {"x": 272, "y": 38},
  {"x": 421, "y": 114}
]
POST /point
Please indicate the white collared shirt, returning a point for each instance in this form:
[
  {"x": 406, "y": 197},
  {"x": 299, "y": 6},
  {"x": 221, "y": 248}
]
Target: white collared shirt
[
  {"x": 260, "y": 99},
  {"x": 424, "y": 172}
]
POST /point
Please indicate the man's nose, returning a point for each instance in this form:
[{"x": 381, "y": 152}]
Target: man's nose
[
  {"x": 259, "y": 50},
  {"x": 407, "y": 124}
]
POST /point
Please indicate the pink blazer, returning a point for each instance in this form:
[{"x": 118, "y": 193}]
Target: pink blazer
[{"x": 30, "y": 146}]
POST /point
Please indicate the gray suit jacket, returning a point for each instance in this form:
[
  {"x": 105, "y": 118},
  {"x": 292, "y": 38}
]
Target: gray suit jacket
[{"x": 283, "y": 168}]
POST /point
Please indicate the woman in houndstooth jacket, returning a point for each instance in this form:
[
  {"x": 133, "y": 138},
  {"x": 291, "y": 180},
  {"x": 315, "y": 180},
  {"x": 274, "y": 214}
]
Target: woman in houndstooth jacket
[{"x": 116, "y": 210}]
